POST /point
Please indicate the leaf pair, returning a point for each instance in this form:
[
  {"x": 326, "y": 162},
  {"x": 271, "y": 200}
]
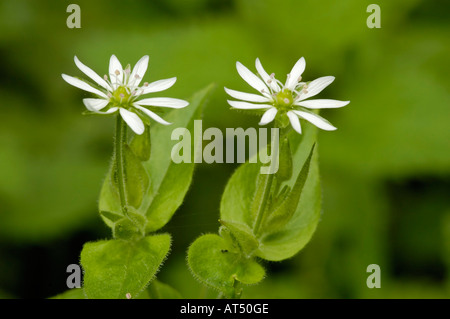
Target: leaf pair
[
  {"x": 259, "y": 220},
  {"x": 168, "y": 181},
  {"x": 293, "y": 212},
  {"x": 155, "y": 187}
]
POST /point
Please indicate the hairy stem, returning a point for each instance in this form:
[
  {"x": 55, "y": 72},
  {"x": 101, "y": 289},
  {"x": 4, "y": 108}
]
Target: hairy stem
[
  {"x": 262, "y": 205},
  {"x": 120, "y": 140}
]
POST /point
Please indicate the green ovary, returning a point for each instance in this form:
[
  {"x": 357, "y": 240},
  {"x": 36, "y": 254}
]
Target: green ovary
[
  {"x": 284, "y": 100},
  {"x": 121, "y": 96}
]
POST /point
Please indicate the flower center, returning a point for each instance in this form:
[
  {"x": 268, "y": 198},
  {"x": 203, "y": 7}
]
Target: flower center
[
  {"x": 120, "y": 96},
  {"x": 284, "y": 99}
]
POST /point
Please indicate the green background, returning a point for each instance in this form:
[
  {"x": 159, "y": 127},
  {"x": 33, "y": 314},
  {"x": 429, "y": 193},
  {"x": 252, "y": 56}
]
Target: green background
[{"x": 385, "y": 171}]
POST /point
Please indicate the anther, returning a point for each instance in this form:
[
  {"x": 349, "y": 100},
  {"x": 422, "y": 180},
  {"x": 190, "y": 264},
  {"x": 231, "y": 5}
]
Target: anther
[
  {"x": 109, "y": 94},
  {"x": 105, "y": 77},
  {"x": 128, "y": 295},
  {"x": 299, "y": 78},
  {"x": 137, "y": 76},
  {"x": 286, "y": 100},
  {"x": 117, "y": 72},
  {"x": 146, "y": 84},
  {"x": 122, "y": 95},
  {"x": 272, "y": 75}
]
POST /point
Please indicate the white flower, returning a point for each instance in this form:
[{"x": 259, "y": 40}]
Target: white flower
[
  {"x": 121, "y": 92},
  {"x": 284, "y": 99}
]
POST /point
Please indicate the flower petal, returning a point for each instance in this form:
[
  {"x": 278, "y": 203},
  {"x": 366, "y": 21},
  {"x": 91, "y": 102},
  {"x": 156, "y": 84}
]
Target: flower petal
[
  {"x": 316, "y": 86},
  {"x": 154, "y": 116},
  {"x": 111, "y": 110},
  {"x": 115, "y": 71},
  {"x": 163, "y": 102},
  {"x": 133, "y": 121},
  {"x": 95, "y": 105},
  {"x": 158, "y": 86},
  {"x": 295, "y": 122},
  {"x": 254, "y": 81},
  {"x": 82, "y": 85},
  {"x": 250, "y": 97},
  {"x": 139, "y": 70},
  {"x": 266, "y": 77},
  {"x": 92, "y": 74},
  {"x": 317, "y": 120},
  {"x": 248, "y": 106},
  {"x": 322, "y": 104},
  {"x": 295, "y": 74},
  {"x": 268, "y": 116}
]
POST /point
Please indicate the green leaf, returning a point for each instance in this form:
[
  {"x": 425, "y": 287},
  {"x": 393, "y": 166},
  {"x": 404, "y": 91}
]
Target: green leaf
[
  {"x": 110, "y": 217},
  {"x": 159, "y": 290},
  {"x": 75, "y": 293},
  {"x": 214, "y": 264},
  {"x": 282, "y": 213},
  {"x": 115, "y": 268},
  {"x": 169, "y": 181},
  {"x": 243, "y": 236},
  {"x": 236, "y": 203},
  {"x": 140, "y": 145}
]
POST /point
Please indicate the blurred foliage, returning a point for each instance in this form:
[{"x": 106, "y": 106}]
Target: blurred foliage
[{"x": 385, "y": 171}]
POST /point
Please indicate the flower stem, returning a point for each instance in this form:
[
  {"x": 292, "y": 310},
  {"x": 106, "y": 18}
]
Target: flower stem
[
  {"x": 263, "y": 191},
  {"x": 120, "y": 140},
  {"x": 261, "y": 208},
  {"x": 264, "y": 187}
]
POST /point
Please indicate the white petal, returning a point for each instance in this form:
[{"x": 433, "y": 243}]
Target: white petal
[
  {"x": 95, "y": 105},
  {"x": 251, "y": 78},
  {"x": 111, "y": 110},
  {"x": 266, "y": 77},
  {"x": 139, "y": 70},
  {"x": 268, "y": 116},
  {"x": 248, "y": 106},
  {"x": 295, "y": 74},
  {"x": 154, "y": 116},
  {"x": 158, "y": 86},
  {"x": 82, "y": 85},
  {"x": 250, "y": 97},
  {"x": 115, "y": 66},
  {"x": 133, "y": 121},
  {"x": 164, "y": 102},
  {"x": 322, "y": 104},
  {"x": 316, "y": 86},
  {"x": 295, "y": 122},
  {"x": 90, "y": 73},
  {"x": 315, "y": 119}
]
